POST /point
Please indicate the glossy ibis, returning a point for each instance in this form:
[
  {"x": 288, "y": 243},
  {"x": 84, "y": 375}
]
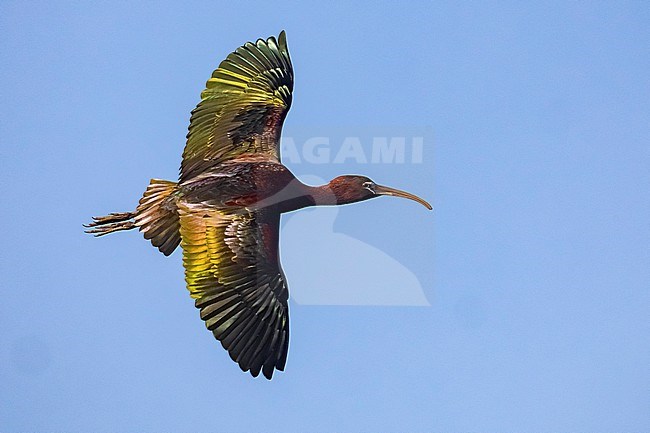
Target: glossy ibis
[{"x": 225, "y": 209}]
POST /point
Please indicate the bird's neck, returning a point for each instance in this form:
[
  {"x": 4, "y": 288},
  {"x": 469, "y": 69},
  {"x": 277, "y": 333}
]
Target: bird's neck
[
  {"x": 332, "y": 194},
  {"x": 322, "y": 195},
  {"x": 308, "y": 196},
  {"x": 300, "y": 196}
]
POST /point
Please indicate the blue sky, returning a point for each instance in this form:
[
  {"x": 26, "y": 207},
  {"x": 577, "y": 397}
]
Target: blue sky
[{"x": 535, "y": 260}]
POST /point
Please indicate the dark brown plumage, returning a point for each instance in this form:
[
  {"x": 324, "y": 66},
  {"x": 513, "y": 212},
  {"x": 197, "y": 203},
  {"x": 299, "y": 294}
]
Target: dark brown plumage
[{"x": 225, "y": 210}]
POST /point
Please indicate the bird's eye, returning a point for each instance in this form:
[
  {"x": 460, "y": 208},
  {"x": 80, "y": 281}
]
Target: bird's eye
[{"x": 370, "y": 186}]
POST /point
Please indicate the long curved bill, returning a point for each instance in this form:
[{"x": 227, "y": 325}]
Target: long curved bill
[{"x": 385, "y": 190}]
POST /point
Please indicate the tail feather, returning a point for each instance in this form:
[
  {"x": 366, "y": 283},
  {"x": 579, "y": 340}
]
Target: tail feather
[
  {"x": 156, "y": 217},
  {"x": 110, "y": 223}
]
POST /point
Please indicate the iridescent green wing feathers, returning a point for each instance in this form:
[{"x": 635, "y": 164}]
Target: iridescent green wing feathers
[
  {"x": 232, "y": 270},
  {"x": 242, "y": 108}
]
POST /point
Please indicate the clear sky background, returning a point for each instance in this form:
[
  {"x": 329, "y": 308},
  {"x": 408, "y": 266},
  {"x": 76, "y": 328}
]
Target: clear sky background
[{"x": 535, "y": 260}]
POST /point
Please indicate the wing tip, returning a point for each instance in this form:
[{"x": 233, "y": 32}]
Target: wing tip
[
  {"x": 282, "y": 42},
  {"x": 267, "y": 371}
]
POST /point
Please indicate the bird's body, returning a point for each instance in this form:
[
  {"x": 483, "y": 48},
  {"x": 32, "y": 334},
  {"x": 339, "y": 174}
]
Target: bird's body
[{"x": 225, "y": 209}]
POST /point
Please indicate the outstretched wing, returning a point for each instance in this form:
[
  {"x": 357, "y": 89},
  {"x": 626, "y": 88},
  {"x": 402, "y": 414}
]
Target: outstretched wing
[
  {"x": 232, "y": 270},
  {"x": 242, "y": 108}
]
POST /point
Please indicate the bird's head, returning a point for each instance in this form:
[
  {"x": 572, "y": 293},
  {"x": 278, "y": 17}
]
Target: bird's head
[{"x": 354, "y": 188}]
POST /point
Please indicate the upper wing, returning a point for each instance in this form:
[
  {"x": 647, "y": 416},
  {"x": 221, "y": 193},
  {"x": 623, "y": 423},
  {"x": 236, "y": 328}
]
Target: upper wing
[
  {"x": 242, "y": 108},
  {"x": 232, "y": 270}
]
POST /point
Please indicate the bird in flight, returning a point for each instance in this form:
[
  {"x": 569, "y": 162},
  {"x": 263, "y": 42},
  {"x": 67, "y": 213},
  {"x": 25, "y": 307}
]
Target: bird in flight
[{"x": 225, "y": 209}]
